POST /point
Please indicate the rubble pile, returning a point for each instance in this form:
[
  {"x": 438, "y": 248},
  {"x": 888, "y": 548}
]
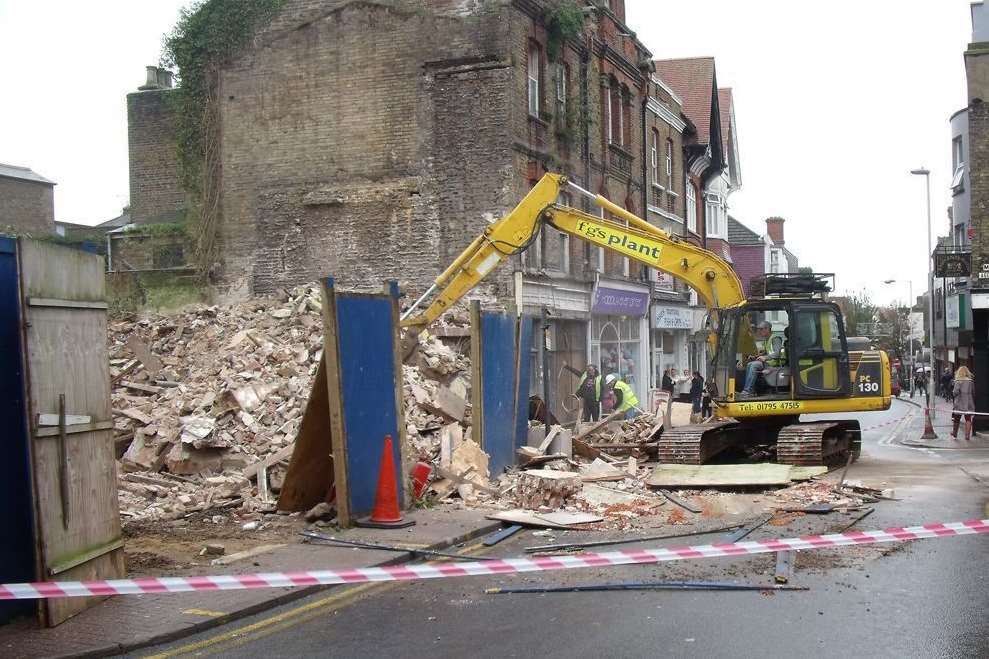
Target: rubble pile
[{"x": 200, "y": 396}]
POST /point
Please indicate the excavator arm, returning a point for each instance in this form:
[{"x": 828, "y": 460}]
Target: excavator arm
[{"x": 713, "y": 279}]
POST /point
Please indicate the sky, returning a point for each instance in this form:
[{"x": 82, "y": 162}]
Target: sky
[{"x": 835, "y": 103}]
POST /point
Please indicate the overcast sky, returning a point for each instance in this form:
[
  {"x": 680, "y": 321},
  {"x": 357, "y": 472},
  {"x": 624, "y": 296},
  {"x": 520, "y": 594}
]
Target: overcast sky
[{"x": 835, "y": 103}]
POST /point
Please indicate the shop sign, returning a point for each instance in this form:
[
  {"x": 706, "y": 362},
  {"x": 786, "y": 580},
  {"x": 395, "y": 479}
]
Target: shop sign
[
  {"x": 983, "y": 274},
  {"x": 618, "y": 302},
  {"x": 954, "y": 264},
  {"x": 665, "y": 317},
  {"x": 665, "y": 281}
]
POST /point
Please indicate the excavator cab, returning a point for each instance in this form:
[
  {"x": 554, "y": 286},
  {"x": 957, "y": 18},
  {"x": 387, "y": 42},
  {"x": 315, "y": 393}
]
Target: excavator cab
[{"x": 800, "y": 347}]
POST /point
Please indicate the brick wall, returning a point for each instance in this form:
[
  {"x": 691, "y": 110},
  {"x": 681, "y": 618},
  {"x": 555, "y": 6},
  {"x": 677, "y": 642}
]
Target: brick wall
[
  {"x": 27, "y": 206},
  {"x": 357, "y": 143},
  {"x": 131, "y": 251},
  {"x": 155, "y": 192},
  {"x": 749, "y": 262},
  {"x": 977, "y": 71}
]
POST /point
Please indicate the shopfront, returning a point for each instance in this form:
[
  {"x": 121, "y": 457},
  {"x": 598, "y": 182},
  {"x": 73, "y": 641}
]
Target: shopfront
[
  {"x": 619, "y": 336},
  {"x": 670, "y": 332}
]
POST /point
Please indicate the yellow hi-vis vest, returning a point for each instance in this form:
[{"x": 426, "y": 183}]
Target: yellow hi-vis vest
[
  {"x": 628, "y": 396},
  {"x": 597, "y": 385}
]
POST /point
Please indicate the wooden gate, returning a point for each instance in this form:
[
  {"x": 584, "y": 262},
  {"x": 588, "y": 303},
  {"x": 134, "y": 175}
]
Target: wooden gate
[{"x": 77, "y": 523}]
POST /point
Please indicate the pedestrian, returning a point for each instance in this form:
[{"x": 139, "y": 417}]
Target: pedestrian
[
  {"x": 964, "y": 405},
  {"x": 588, "y": 390},
  {"x": 963, "y": 392},
  {"x": 625, "y": 399},
  {"x": 696, "y": 396},
  {"x": 947, "y": 389},
  {"x": 920, "y": 382},
  {"x": 706, "y": 405},
  {"x": 667, "y": 384}
]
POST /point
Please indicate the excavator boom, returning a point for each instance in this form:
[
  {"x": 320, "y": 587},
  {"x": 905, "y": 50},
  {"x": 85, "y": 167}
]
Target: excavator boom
[{"x": 712, "y": 278}]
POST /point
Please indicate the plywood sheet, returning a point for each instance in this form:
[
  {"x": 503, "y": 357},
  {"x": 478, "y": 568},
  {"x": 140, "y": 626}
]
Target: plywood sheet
[
  {"x": 309, "y": 478},
  {"x": 65, "y": 349},
  {"x": 675, "y": 475}
]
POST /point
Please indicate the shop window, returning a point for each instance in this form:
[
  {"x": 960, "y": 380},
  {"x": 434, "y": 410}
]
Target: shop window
[{"x": 615, "y": 347}]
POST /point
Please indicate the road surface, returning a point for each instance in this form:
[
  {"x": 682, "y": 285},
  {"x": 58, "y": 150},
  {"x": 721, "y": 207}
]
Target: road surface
[{"x": 922, "y": 599}]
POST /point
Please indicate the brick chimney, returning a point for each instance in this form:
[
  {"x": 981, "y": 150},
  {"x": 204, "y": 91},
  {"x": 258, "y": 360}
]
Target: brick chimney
[{"x": 774, "y": 226}]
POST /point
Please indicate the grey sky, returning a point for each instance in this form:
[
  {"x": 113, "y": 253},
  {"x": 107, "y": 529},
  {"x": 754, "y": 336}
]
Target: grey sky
[{"x": 835, "y": 103}]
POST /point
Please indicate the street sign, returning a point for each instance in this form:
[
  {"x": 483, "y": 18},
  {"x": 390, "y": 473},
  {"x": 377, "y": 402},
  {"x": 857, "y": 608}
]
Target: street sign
[{"x": 983, "y": 272}]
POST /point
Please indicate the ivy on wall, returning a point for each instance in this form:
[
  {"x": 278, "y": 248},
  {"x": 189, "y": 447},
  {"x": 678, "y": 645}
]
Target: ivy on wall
[{"x": 208, "y": 34}]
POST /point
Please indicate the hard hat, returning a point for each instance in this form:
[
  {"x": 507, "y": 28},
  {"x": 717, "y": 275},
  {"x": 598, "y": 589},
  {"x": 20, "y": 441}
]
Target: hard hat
[{"x": 611, "y": 378}]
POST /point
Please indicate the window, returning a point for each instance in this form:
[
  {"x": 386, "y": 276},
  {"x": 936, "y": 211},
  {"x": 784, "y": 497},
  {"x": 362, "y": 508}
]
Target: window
[
  {"x": 691, "y": 207},
  {"x": 712, "y": 215},
  {"x": 774, "y": 260},
  {"x": 626, "y": 126},
  {"x": 534, "y": 66},
  {"x": 669, "y": 165},
  {"x": 655, "y": 157},
  {"x": 615, "y": 115},
  {"x": 957, "y": 155}
]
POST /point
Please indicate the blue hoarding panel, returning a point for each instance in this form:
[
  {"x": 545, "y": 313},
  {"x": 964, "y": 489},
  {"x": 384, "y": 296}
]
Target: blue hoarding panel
[
  {"x": 498, "y": 389},
  {"x": 17, "y": 546},
  {"x": 367, "y": 379}
]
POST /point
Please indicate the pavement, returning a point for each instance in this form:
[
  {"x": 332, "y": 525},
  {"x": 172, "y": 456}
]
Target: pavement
[{"x": 127, "y": 623}]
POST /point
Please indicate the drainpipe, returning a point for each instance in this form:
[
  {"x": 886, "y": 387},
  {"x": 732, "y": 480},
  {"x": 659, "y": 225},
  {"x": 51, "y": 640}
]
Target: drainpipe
[{"x": 645, "y": 171}]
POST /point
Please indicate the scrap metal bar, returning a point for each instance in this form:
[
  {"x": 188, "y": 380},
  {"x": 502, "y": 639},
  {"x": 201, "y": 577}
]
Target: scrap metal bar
[
  {"x": 680, "y": 502},
  {"x": 741, "y": 533},
  {"x": 645, "y": 585},
  {"x": 325, "y": 539},
  {"x": 502, "y": 534},
  {"x": 624, "y": 541}
]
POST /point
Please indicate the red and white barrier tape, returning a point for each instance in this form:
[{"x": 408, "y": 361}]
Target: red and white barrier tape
[{"x": 51, "y": 589}]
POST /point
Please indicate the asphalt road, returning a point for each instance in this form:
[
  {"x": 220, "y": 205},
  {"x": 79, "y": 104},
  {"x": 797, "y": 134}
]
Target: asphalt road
[{"x": 921, "y": 599}]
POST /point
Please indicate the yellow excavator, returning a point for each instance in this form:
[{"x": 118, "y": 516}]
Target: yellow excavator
[{"x": 791, "y": 329}]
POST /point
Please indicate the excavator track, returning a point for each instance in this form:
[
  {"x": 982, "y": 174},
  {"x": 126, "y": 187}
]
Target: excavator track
[
  {"x": 815, "y": 443},
  {"x": 818, "y": 443},
  {"x": 697, "y": 443}
]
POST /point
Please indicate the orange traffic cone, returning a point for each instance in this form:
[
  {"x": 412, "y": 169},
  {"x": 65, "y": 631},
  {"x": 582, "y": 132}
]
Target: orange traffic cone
[
  {"x": 928, "y": 426},
  {"x": 386, "y": 514}
]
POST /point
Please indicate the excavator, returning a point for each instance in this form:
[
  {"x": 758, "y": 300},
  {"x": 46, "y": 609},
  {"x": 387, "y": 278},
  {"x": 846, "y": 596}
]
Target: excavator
[{"x": 791, "y": 327}]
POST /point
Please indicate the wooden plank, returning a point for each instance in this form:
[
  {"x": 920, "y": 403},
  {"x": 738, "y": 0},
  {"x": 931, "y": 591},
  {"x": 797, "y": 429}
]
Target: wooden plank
[
  {"x": 334, "y": 403},
  {"x": 526, "y": 518},
  {"x": 135, "y": 414},
  {"x": 477, "y": 385},
  {"x": 804, "y": 473},
  {"x": 72, "y": 430},
  {"x": 141, "y": 350},
  {"x": 146, "y": 388},
  {"x": 59, "y": 568},
  {"x": 405, "y": 458},
  {"x": 54, "y": 271},
  {"x": 597, "y": 427},
  {"x": 676, "y": 475},
  {"x": 310, "y": 476},
  {"x": 68, "y": 304},
  {"x": 70, "y": 419},
  {"x": 553, "y": 432},
  {"x": 284, "y": 453}
]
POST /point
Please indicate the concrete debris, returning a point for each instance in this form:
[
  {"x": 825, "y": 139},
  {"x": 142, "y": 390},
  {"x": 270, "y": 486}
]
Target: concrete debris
[
  {"x": 219, "y": 391},
  {"x": 321, "y": 511},
  {"x": 545, "y": 489}
]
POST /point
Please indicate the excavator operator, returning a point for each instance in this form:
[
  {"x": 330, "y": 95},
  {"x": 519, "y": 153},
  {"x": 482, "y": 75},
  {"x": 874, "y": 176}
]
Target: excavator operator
[{"x": 757, "y": 362}]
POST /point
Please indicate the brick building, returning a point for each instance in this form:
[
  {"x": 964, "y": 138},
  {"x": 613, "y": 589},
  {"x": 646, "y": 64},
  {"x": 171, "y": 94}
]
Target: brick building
[
  {"x": 27, "y": 201},
  {"x": 354, "y": 142},
  {"x": 156, "y": 193},
  {"x": 977, "y": 74}
]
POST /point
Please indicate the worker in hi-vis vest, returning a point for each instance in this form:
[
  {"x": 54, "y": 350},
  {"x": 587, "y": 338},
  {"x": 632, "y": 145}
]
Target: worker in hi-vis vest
[
  {"x": 625, "y": 400},
  {"x": 588, "y": 390}
]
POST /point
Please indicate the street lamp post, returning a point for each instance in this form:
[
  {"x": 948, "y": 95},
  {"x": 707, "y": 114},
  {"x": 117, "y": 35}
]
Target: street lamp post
[
  {"x": 910, "y": 304},
  {"x": 930, "y": 289}
]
